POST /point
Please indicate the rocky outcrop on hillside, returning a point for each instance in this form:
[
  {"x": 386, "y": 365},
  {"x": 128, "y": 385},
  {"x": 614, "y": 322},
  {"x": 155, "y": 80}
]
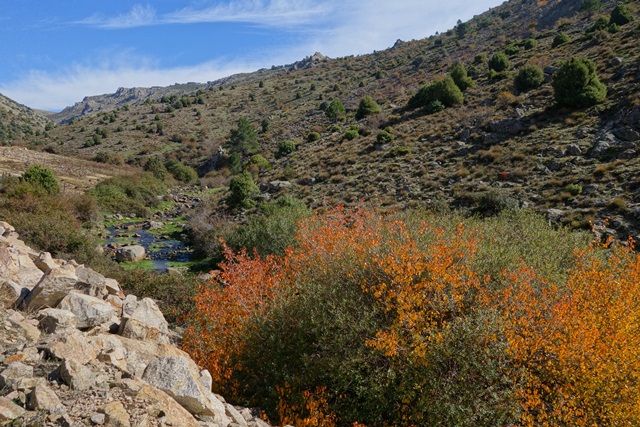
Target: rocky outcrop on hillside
[{"x": 75, "y": 351}]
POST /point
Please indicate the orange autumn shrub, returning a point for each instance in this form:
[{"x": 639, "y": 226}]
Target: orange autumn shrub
[
  {"x": 224, "y": 307},
  {"x": 576, "y": 347},
  {"x": 374, "y": 319}
]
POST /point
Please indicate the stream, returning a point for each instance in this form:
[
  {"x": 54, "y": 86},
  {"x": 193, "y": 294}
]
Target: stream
[{"x": 161, "y": 248}]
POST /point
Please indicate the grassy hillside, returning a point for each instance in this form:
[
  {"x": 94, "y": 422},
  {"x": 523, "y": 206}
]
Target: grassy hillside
[
  {"x": 501, "y": 147},
  {"x": 18, "y": 122}
]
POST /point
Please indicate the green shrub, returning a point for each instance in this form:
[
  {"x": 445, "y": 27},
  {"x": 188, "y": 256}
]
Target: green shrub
[
  {"x": 260, "y": 162},
  {"x": 493, "y": 202},
  {"x": 181, "y": 172},
  {"x": 576, "y": 84},
  {"x": 499, "y": 62},
  {"x": 620, "y": 15},
  {"x": 529, "y": 77},
  {"x": 134, "y": 194},
  {"x": 351, "y": 134},
  {"x": 313, "y": 136},
  {"x": 335, "y": 110},
  {"x": 591, "y": 6},
  {"x": 242, "y": 191},
  {"x": 530, "y": 43},
  {"x": 54, "y": 223},
  {"x": 460, "y": 77},
  {"x": 384, "y": 137},
  {"x": 43, "y": 177},
  {"x": 444, "y": 91},
  {"x": 271, "y": 230},
  {"x": 560, "y": 39},
  {"x": 155, "y": 166},
  {"x": 367, "y": 107},
  {"x": 512, "y": 49},
  {"x": 434, "y": 107},
  {"x": 401, "y": 150},
  {"x": 110, "y": 158},
  {"x": 285, "y": 147},
  {"x": 601, "y": 24},
  {"x": 574, "y": 189},
  {"x": 244, "y": 138}
]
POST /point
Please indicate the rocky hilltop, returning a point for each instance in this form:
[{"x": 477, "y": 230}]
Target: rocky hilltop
[{"x": 75, "y": 351}]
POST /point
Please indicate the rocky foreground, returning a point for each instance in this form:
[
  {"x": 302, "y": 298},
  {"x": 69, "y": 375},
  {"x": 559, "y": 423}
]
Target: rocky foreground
[{"x": 75, "y": 351}]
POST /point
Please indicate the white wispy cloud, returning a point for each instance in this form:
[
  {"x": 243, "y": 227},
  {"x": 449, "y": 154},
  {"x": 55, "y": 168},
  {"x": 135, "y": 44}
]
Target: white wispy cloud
[
  {"x": 55, "y": 90},
  {"x": 269, "y": 13},
  {"x": 138, "y": 16}
]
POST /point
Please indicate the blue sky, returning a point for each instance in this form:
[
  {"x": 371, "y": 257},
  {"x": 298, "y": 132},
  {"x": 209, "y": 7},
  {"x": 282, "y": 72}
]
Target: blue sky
[{"x": 57, "y": 52}]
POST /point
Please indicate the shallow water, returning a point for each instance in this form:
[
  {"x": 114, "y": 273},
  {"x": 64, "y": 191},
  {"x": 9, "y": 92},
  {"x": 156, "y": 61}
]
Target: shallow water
[{"x": 160, "y": 249}]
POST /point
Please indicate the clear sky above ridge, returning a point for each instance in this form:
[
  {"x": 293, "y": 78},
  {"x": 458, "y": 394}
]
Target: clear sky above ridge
[{"x": 54, "y": 53}]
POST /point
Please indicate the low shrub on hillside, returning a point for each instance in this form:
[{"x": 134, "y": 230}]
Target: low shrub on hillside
[
  {"x": 460, "y": 77},
  {"x": 529, "y": 77},
  {"x": 444, "y": 91},
  {"x": 560, "y": 39},
  {"x": 181, "y": 172},
  {"x": 242, "y": 191},
  {"x": 367, "y": 107},
  {"x": 285, "y": 147},
  {"x": 576, "y": 84},
  {"x": 499, "y": 62},
  {"x": 41, "y": 177}
]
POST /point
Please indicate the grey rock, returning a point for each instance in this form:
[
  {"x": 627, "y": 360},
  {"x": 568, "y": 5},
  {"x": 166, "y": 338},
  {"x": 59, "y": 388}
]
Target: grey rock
[
  {"x": 574, "y": 150},
  {"x": 508, "y": 126},
  {"x": 13, "y": 373},
  {"x": 627, "y": 133},
  {"x": 179, "y": 377},
  {"x": 91, "y": 282},
  {"x": 45, "y": 262},
  {"x": 89, "y": 311},
  {"x": 52, "y": 288},
  {"x": 42, "y": 398},
  {"x": 76, "y": 375},
  {"x": 53, "y": 320},
  {"x": 132, "y": 253},
  {"x": 9, "y": 411},
  {"x": 145, "y": 322},
  {"x": 11, "y": 293}
]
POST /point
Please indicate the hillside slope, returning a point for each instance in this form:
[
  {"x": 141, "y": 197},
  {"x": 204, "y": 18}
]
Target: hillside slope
[
  {"x": 18, "y": 121},
  {"x": 500, "y": 148}
]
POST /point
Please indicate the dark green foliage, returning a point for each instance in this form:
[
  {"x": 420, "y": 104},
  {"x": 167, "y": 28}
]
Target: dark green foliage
[
  {"x": 460, "y": 77},
  {"x": 560, "y": 39},
  {"x": 620, "y": 15},
  {"x": 367, "y": 107},
  {"x": 260, "y": 162},
  {"x": 234, "y": 163},
  {"x": 434, "y": 107},
  {"x": 265, "y": 125},
  {"x": 42, "y": 177},
  {"x": 601, "y": 24},
  {"x": 529, "y": 77},
  {"x": 511, "y": 49},
  {"x": 530, "y": 43},
  {"x": 244, "y": 138},
  {"x": 351, "y": 134},
  {"x": 591, "y": 6},
  {"x": 576, "y": 84},
  {"x": 493, "y": 202},
  {"x": 444, "y": 91},
  {"x": 272, "y": 229},
  {"x": 133, "y": 194},
  {"x": 401, "y": 150},
  {"x": 462, "y": 28},
  {"x": 499, "y": 62},
  {"x": 384, "y": 137},
  {"x": 285, "y": 147},
  {"x": 242, "y": 191},
  {"x": 156, "y": 167},
  {"x": 335, "y": 110},
  {"x": 181, "y": 172},
  {"x": 313, "y": 136}
]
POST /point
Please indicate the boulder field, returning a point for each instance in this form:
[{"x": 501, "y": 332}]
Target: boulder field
[{"x": 75, "y": 351}]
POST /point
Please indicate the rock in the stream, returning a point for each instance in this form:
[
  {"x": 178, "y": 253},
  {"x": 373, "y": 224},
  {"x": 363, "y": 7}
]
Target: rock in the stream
[{"x": 132, "y": 253}]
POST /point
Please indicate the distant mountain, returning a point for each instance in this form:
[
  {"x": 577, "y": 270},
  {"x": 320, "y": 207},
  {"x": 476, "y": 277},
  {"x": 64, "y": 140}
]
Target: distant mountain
[{"x": 18, "y": 121}]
